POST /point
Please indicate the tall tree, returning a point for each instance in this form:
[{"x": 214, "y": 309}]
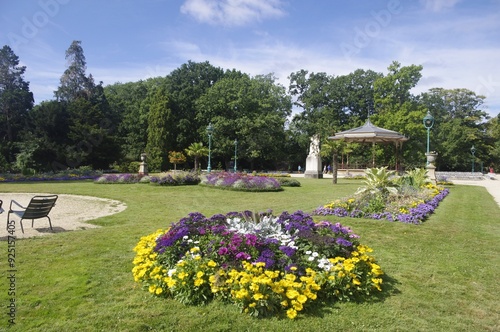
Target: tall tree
[
  {"x": 15, "y": 101},
  {"x": 160, "y": 124},
  {"x": 252, "y": 110},
  {"x": 74, "y": 83},
  {"x": 460, "y": 123},
  {"x": 397, "y": 109},
  {"x": 184, "y": 86},
  {"x": 129, "y": 102}
]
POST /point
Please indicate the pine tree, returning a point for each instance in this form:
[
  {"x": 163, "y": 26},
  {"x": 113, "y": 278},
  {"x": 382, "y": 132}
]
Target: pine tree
[
  {"x": 15, "y": 101},
  {"x": 74, "y": 83}
]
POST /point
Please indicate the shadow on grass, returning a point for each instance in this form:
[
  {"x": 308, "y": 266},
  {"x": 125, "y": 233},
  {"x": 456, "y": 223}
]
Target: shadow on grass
[{"x": 323, "y": 308}]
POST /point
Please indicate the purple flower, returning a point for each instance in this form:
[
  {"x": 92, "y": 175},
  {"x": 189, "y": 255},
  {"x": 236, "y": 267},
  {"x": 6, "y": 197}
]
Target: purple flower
[
  {"x": 243, "y": 256},
  {"x": 288, "y": 250},
  {"x": 223, "y": 251}
]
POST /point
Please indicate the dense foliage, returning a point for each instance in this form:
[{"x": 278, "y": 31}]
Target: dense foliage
[
  {"x": 109, "y": 127},
  {"x": 268, "y": 266}
]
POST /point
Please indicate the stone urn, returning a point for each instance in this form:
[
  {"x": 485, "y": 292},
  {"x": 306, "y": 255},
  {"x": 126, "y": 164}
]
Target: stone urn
[
  {"x": 431, "y": 169},
  {"x": 143, "y": 167},
  {"x": 431, "y": 157}
]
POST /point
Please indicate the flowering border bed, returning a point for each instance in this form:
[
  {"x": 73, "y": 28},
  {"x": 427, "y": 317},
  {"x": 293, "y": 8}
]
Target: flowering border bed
[
  {"x": 179, "y": 178},
  {"x": 415, "y": 214},
  {"x": 268, "y": 266},
  {"x": 240, "y": 182}
]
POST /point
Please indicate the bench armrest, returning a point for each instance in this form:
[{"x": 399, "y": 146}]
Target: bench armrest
[{"x": 13, "y": 201}]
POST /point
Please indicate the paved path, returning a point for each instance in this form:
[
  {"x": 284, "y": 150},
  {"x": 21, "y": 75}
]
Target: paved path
[{"x": 492, "y": 185}]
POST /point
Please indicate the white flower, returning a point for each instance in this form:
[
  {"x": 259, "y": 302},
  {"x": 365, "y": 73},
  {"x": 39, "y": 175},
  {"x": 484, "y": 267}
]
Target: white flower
[
  {"x": 171, "y": 272},
  {"x": 310, "y": 258},
  {"x": 315, "y": 254},
  {"x": 308, "y": 252},
  {"x": 185, "y": 237},
  {"x": 324, "y": 263}
]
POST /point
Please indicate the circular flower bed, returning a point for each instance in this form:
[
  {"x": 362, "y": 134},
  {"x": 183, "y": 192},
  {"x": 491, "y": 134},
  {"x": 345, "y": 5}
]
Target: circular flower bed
[
  {"x": 178, "y": 178},
  {"x": 268, "y": 266},
  {"x": 241, "y": 182}
]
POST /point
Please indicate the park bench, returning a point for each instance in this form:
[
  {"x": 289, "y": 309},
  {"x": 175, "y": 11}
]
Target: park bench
[{"x": 38, "y": 207}]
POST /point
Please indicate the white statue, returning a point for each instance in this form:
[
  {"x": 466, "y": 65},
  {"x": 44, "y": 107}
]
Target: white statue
[
  {"x": 313, "y": 160},
  {"x": 314, "y": 146}
]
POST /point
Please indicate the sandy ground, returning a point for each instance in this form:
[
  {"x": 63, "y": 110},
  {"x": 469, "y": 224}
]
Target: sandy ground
[{"x": 69, "y": 214}]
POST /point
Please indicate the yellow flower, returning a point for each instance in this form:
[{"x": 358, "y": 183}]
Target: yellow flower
[
  {"x": 302, "y": 298},
  {"x": 200, "y": 274},
  {"x": 212, "y": 263},
  {"x": 258, "y": 296},
  {"x": 198, "y": 282},
  {"x": 297, "y": 305},
  {"x": 291, "y": 313},
  {"x": 292, "y": 293}
]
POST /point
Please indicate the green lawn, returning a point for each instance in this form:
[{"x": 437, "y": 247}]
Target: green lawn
[{"x": 441, "y": 275}]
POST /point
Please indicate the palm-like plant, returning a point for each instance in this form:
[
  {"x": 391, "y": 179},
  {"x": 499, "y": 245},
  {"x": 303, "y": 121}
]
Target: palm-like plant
[
  {"x": 416, "y": 178},
  {"x": 197, "y": 151},
  {"x": 379, "y": 181}
]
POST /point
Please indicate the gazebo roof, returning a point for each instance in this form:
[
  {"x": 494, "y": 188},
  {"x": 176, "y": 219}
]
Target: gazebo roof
[{"x": 369, "y": 133}]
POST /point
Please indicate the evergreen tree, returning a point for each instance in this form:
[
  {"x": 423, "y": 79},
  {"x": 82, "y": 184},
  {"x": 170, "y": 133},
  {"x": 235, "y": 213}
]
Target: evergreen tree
[
  {"x": 160, "y": 123},
  {"x": 74, "y": 83},
  {"x": 15, "y": 102}
]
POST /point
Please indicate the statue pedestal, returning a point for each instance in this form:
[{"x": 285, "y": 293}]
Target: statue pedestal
[
  {"x": 431, "y": 169},
  {"x": 313, "y": 167},
  {"x": 143, "y": 167}
]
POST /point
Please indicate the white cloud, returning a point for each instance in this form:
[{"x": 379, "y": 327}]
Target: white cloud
[
  {"x": 232, "y": 12},
  {"x": 438, "y": 5}
]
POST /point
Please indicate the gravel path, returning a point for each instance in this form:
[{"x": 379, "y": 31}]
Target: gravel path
[{"x": 69, "y": 214}]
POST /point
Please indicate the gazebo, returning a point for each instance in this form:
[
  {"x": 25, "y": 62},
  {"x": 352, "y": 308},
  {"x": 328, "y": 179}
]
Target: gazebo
[{"x": 369, "y": 133}]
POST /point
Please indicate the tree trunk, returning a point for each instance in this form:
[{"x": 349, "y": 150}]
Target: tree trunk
[{"x": 335, "y": 168}]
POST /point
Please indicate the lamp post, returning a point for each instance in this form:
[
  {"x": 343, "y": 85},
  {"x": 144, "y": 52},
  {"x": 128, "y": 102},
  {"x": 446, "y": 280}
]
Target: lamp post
[
  {"x": 473, "y": 150},
  {"x": 428, "y": 123},
  {"x": 210, "y": 130},
  {"x": 235, "y": 156}
]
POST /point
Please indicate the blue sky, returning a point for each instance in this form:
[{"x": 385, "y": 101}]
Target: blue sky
[{"x": 456, "y": 41}]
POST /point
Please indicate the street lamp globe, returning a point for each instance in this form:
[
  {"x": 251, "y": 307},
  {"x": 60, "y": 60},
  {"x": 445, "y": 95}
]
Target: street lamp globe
[
  {"x": 428, "y": 123},
  {"x": 473, "y": 151}
]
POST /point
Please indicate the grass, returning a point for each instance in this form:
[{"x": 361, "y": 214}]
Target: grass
[{"x": 442, "y": 275}]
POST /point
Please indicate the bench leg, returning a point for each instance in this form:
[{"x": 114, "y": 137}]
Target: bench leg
[{"x": 50, "y": 223}]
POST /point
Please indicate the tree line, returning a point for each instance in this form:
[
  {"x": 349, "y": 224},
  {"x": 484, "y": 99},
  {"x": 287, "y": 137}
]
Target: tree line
[{"x": 263, "y": 123}]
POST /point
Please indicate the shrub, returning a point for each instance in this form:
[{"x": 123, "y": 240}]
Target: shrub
[
  {"x": 240, "y": 181},
  {"x": 177, "y": 178},
  {"x": 288, "y": 182}
]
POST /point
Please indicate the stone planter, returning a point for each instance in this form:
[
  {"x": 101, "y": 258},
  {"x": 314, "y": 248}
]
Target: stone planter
[{"x": 431, "y": 157}]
